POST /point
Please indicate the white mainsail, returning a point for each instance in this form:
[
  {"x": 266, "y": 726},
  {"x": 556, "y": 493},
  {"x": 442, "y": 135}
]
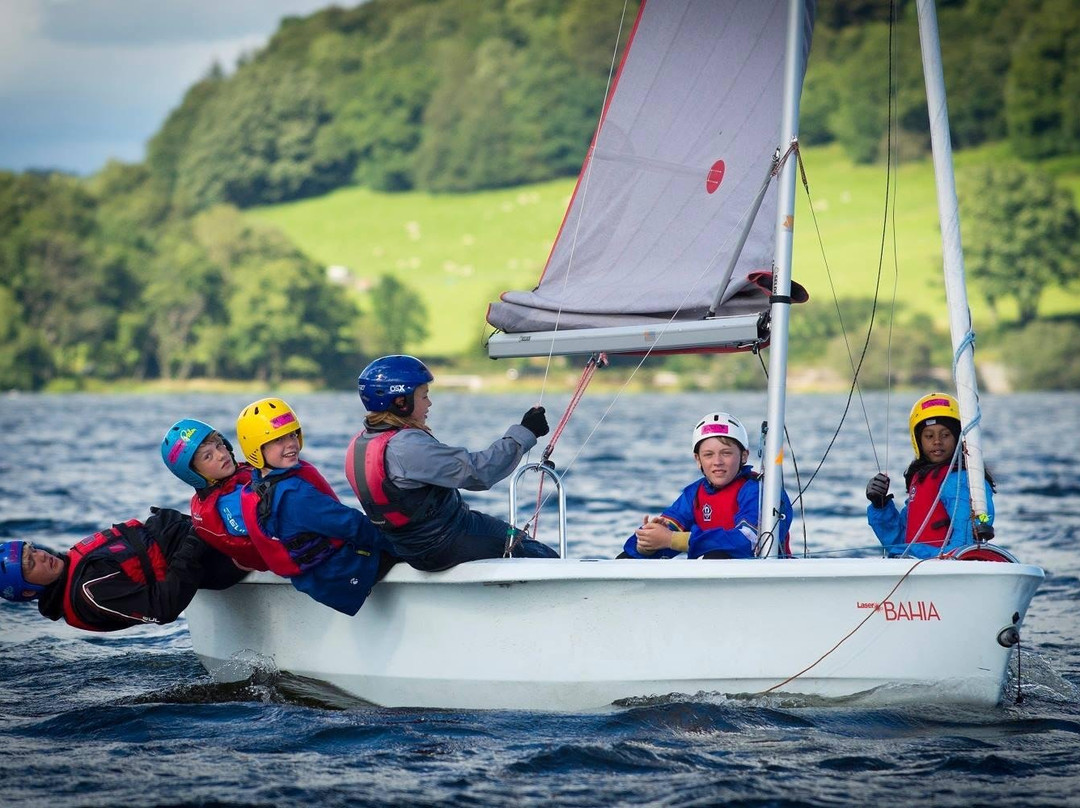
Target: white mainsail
[{"x": 686, "y": 142}]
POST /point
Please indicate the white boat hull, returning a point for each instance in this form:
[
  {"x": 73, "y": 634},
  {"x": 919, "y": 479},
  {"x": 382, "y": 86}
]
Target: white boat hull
[{"x": 554, "y": 635}]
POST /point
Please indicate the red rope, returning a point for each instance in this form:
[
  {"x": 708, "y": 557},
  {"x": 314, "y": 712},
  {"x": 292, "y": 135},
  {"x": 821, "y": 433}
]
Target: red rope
[{"x": 595, "y": 362}]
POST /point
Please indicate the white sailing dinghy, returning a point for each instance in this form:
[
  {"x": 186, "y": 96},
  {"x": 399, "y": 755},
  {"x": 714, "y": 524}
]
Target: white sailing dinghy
[{"x": 704, "y": 102}]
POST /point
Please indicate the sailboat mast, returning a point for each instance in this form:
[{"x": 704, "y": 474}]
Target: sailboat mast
[
  {"x": 780, "y": 307},
  {"x": 952, "y": 251}
]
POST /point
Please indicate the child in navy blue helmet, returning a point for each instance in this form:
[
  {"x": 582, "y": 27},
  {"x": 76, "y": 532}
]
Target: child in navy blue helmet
[{"x": 407, "y": 480}]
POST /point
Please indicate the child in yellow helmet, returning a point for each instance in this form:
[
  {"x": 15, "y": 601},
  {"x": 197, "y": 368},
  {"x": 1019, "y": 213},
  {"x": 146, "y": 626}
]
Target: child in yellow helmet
[
  {"x": 328, "y": 550},
  {"x": 936, "y": 518}
]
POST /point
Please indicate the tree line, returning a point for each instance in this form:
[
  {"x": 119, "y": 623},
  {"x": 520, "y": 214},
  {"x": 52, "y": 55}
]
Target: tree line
[
  {"x": 150, "y": 270},
  {"x": 101, "y": 282},
  {"x": 453, "y": 95}
]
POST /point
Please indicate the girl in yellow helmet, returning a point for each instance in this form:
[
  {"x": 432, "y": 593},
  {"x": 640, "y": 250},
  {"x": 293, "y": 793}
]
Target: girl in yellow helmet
[{"x": 936, "y": 518}]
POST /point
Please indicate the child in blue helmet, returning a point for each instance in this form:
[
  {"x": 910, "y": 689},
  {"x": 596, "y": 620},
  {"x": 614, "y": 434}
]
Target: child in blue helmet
[
  {"x": 407, "y": 480},
  {"x": 716, "y": 516},
  {"x": 201, "y": 456},
  {"x": 131, "y": 574}
]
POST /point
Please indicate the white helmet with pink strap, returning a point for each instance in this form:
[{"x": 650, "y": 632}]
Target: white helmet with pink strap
[{"x": 720, "y": 425}]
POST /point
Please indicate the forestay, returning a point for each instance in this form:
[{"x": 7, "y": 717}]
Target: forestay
[{"x": 685, "y": 143}]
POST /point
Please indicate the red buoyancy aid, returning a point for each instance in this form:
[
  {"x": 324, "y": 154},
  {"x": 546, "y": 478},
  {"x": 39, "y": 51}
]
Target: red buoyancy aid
[
  {"x": 386, "y": 505},
  {"x": 718, "y": 509},
  {"x": 296, "y": 554},
  {"x": 210, "y": 527},
  {"x": 140, "y": 563},
  {"x": 924, "y": 490}
]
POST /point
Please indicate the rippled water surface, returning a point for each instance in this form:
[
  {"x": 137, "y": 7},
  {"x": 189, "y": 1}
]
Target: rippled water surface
[{"x": 132, "y": 718}]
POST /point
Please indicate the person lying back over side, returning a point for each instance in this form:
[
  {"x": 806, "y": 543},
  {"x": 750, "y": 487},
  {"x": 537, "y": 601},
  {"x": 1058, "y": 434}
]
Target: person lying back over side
[
  {"x": 127, "y": 575},
  {"x": 716, "y": 516}
]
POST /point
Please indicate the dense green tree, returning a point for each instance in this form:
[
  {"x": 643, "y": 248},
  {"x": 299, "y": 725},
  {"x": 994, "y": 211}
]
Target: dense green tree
[
  {"x": 181, "y": 297},
  {"x": 167, "y": 148},
  {"x": 1042, "y": 90},
  {"x": 255, "y": 141},
  {"x": 68, "y": 285},
  {"x": 911, "y": 354},
  {"x": 860, "y": 121},
  {"x": 1021, "y": 234},
  {"x": 1043, "y": 356},
  {"x": 399, "y": 316},
  {"x": 977, "y": 59},
  {"x": 279, "y": 316},
  {"x": 25, "y": 361}
]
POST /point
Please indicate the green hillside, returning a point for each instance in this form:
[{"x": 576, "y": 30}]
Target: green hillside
[
  {"x": 460, "y": 251},
  {"x": 457, "y": 251}
]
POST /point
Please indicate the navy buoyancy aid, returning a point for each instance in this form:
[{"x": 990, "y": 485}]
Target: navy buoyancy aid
[
  {"x": 140, "y": 559},
  {"x": 387, "y": 506},
  {"x": 924, "y": 490},
  {"x": 210, "y": 527},
  {"x": 294, "y": 554}
]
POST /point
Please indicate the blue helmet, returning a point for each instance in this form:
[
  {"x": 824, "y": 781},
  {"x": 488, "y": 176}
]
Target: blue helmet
[
  {"x": 178, "y": 449},
  {"x": 389, "y": 377},
  {"x": 12, "y": 584}
]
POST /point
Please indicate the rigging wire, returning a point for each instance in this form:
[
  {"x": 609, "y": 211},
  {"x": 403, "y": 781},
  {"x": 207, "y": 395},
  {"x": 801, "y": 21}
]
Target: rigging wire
[
  {"x": 891, "y": 155},
  {"x": 888, "y": 217}
]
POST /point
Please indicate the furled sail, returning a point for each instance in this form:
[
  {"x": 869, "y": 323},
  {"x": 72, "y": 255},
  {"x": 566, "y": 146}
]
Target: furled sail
[{"x": 686, "y": 142}]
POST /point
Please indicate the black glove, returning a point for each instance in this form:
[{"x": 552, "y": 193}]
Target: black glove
[
  {"x": 877, "y": 490},
  {"x": 535, "y": 422}
]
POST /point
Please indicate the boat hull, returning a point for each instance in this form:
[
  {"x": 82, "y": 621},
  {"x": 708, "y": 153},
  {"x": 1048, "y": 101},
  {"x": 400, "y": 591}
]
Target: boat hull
[{"x": 548, "y": 634}]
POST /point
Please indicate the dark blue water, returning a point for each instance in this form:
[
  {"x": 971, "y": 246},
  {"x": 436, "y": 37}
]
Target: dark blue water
[{"x": 132, "y": 719}]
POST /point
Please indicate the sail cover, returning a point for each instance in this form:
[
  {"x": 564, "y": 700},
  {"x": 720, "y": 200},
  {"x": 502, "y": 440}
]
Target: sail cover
[{"x": 684, "y": 145}]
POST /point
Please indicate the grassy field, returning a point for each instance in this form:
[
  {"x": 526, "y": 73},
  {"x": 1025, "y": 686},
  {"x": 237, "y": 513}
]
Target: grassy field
[{"x": 459, "y": 252}]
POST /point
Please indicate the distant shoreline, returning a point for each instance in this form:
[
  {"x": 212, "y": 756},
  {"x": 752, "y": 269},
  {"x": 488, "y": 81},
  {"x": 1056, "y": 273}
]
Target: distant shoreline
[{"x": 803, "y": 379}]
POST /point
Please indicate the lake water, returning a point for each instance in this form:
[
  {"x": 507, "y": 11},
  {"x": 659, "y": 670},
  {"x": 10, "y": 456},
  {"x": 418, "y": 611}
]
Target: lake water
[{"x": 132, "y": 718}]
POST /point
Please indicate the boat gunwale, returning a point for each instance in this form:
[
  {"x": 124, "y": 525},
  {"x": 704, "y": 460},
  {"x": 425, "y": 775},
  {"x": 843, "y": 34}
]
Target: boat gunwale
[{"x": 521, "y": 570}]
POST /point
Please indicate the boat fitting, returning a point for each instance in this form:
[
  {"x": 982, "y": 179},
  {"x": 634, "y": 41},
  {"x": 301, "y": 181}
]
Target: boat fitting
[{"x": 1008, "y": 636}]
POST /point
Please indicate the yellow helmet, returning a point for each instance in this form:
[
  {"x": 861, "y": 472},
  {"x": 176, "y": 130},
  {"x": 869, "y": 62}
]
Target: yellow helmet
[
  {"x": 263, "y": 421},
  {"x": 932, "y": 405}
]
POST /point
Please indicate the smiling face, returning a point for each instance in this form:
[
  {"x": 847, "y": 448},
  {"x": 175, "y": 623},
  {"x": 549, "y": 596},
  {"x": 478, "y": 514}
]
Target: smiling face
[
  {"x": 937, "y": 442},
  {"x": 720, "y": 460},
  {"x": 212, "y": 459},
  {"x": 283, "y": 452},
  {"x": 40, "y": 567}
]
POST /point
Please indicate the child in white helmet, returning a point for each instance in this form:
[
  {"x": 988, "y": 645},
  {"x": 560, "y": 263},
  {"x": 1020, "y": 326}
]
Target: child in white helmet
[{"x": 716, "y": 516}]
